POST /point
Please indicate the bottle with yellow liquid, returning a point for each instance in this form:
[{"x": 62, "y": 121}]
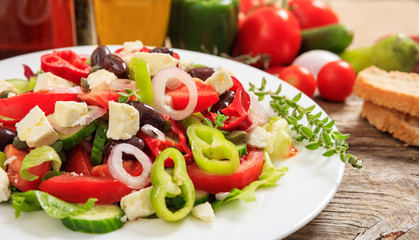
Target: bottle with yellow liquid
[{"x": 118, "y": 21}]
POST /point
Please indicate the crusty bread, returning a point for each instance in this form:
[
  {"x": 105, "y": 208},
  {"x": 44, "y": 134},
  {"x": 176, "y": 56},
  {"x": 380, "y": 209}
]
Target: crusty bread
[
  {"x": 395, "y": 90},
  {"x": 402, "y": 126}
]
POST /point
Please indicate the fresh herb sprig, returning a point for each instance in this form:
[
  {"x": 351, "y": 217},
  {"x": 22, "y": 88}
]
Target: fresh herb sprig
[
  {"x": 318, "y": 132},
  {"x": 125, "y": 96}
]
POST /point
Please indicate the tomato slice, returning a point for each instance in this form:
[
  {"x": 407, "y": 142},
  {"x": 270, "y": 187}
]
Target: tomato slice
[
  {"x": 99, "y": 98},
  {"x": 206, "y": 96},
  {"x": 79, "y": 188},
  {"x": 78, "y": 161},
  {"x": 13, "y": 169},
  {"x": 250, "y": 168}
]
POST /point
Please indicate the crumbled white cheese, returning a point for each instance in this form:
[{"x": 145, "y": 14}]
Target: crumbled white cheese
[
  {"x": 220, "y": 80},
  {"x": 186, "y": 64},
  {"x": 124, "y": 121},
  {"x": 47, "y": 81},
  {"x": 6, "y": 86},
  {"x": 157, "y": 61},
  {"x": 35, "y": 129},
  {"x": 204, "y": 212},
  {"x": 137, "y": 204},
  {"x": 100, "y": 80},
  {"x": 70, "y": 113},
  {"x": 130, "y": 47},
  {"x": 4, "y": 186},
  {"x": 258, "y": 137}
]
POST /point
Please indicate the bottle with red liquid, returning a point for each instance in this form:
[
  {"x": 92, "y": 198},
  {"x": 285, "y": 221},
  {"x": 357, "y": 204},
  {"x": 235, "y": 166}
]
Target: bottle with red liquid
[{"x": 33, "y": 25}]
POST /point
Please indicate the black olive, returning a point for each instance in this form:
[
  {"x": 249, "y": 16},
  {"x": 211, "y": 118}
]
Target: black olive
[
  {"x": 224, "y": 100},
  {"x": 6, "y": 137},
  {"x": 201, "y": 72},
  {"x": 162, "y": 50},
  {"x": 98, "y": 55},
  {"x": 148, "y": 115},
  {"x": 115, "y": 64}
]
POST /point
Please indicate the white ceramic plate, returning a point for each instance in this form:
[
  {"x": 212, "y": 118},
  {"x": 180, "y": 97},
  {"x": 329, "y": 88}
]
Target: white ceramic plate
[{"x": 300, "y": 195}]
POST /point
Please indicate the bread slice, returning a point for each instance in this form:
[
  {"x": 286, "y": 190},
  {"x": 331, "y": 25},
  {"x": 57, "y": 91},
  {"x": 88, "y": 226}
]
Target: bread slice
[
  {"x": 395, "y": 90},
  {"x": 402, "y": 126}
]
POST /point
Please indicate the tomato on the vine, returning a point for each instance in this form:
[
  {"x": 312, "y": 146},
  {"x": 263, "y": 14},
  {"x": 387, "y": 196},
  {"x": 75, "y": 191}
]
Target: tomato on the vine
[
  {"x": 336, "y": 80},
  {"x": 312, "y": 13},
  {"x": 270, "y": 30},
  {"x": 300, "y": 77}
]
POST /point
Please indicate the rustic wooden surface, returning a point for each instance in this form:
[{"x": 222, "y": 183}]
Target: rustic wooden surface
[{"x": 380, "y": 201}]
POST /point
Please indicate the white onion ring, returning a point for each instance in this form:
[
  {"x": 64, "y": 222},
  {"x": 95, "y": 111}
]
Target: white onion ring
[
  {"x": 118, "y": 172},
  {"x": 10, "y": 160},
  {"x": 159, "y": 82},
  {"x": 153, "y": 132},
  {"x": 94, "y": 113},
  {"x": 257, "y": 112},
  {"x": 122, "y": 84}
]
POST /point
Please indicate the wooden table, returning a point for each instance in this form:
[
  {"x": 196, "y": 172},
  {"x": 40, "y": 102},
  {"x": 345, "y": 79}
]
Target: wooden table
[{"x": 380, "y": 201}]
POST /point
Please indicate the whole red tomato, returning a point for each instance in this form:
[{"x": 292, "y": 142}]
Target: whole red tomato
[
  {"x": 312, "y": 13},
  {"x": 300, "y": 77},
  {"x": 336, "y": 80},
  {"x": 270, "y": 30}
]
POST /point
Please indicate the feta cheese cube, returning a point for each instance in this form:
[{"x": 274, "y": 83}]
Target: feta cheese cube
[
  {"x": 124, "y": 121},
  {"x": 47, "y": 81},
  {"x": 258, "y": 137},
  {"x": 70, "y": 113},
  {"x": 220, "y": 80},
  {"x": 186, "y": 64},
  {"x": 6, "y": 86},
  {"x": 157, "y": 61},
  {"x": 100, "y": 80},
  {"x": 137, "y": 204},
  {"x": 130, "y": 47},
  {"x": 204, "y": 212},
  {"x": 35, "y": 129},
  {"x": 4, "y": 186}
]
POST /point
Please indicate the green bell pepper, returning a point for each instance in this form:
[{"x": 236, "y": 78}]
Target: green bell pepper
[
  {"x": 167, "y": 186},
  {"x": 141, "y": 75},
  {"x": 204, "y": 25},
  {"x": 212, "y": 152}
]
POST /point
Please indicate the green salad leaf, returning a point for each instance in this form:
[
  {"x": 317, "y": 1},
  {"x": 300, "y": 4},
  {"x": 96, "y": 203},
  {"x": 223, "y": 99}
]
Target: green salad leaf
[{"x": 36, "y": 157}]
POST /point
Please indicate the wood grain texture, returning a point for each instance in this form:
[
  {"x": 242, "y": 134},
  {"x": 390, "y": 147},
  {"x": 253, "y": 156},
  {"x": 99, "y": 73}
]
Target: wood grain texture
[{"x": 380, "y": 201}]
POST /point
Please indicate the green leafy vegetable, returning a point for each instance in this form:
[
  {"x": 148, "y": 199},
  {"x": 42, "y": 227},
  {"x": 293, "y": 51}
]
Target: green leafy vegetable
[
  {"x": 36, "y": 157},
  {"x": 318, "y": 132},
  {"x": 36, "y": 200},
  {"x": 269, "y": 177},
  {"x": 125, "y": 96}
]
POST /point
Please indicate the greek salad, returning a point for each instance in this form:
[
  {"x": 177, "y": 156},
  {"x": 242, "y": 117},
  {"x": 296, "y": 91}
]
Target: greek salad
[{"x": 99, "y": 140}]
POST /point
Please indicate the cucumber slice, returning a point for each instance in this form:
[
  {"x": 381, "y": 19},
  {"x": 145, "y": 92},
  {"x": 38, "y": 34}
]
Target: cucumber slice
[
  {"x": 98, "y": 144},
  {"x": 71, "y": 140},
  {"x": 242, "y": 149},
  {"x": 100, "y": 219},
  {"x": 201, "y": 197},
  {"x": 21, "y": 85}
]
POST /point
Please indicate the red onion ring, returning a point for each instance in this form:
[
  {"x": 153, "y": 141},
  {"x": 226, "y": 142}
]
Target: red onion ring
[
  {"x": 118, "y": 172},
  {"x": 153, "y": 132},
  {"x": 166, "y": 77}
]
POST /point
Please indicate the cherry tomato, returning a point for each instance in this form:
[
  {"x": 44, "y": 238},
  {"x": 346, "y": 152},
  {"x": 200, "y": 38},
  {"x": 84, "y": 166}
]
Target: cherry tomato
[
  {"x": 300, "y": 77},
  {"x": 312, "y": 13},
  {"x": 270, "y": 30},
  {"x": 78, "y": 161},
  {"x": 99, "y": 98},
  {"x": 250, "y": 168},
  {"x": 336, "y": 80}
]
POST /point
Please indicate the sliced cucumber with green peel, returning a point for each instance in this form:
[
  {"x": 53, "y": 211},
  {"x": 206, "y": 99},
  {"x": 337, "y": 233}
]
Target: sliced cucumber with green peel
[
  {"x": 201, "y": 197},
  {"x": 100, "y": 219},
  {"x": 98, "y": 144},
  {"x": 21, "y": 85},
  {"x": 71, "y": 140}
]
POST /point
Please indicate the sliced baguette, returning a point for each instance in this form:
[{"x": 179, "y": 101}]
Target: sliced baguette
[
  {"x": 395, "y": 90},
  {"x": 402, "y": 126}
]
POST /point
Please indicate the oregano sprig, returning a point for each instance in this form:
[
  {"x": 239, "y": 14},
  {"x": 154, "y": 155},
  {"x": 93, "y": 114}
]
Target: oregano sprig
[
  {"x": 319, "y": 133},
  {"x": 125, "y": 96}
]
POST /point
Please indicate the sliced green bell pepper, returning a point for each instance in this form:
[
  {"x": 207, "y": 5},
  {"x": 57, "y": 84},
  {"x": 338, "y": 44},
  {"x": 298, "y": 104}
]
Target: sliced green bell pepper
[
  {"x": 141, "y": 75},
  {"x": 212, "y": 152},
  {"x": 204, "y": 25},
  {"x": 168, "y": 186}
]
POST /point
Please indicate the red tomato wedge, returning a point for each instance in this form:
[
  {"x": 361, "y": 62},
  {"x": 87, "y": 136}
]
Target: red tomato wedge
[
  {"x": 78, "y": 189},
  {"x": 78, "y": 161},
  {"x": 206, "y": 96},
  {"x": 99, "y": 98},
  {"x": 13, "y": 169},
  {"x": 250, "y": 168},
  {"x": 18, "y": 106}
]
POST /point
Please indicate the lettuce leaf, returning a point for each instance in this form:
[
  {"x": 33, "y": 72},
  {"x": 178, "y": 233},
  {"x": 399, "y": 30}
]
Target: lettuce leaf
[
  {"x": 36, "y": 200},
  {"x": 269, "y": 177},
  {"x": 36, "y": 157}
]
